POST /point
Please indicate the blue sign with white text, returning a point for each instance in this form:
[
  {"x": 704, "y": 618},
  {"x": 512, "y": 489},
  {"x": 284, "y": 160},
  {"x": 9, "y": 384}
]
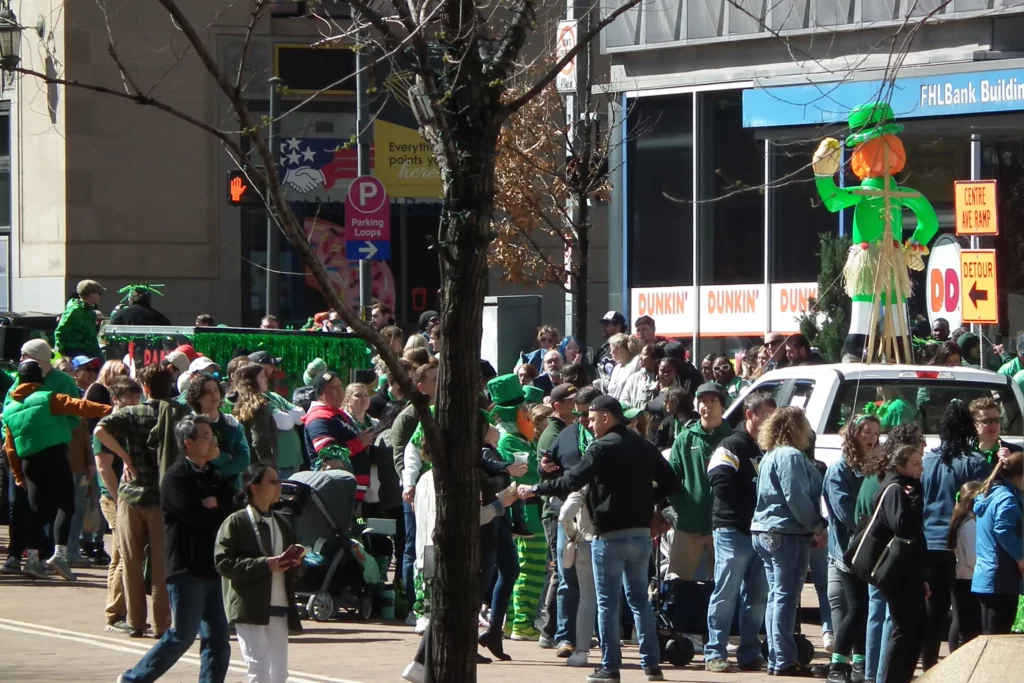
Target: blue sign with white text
[
  {"x": 957, "y": 94},
  {"x": 372, "y": 250}
]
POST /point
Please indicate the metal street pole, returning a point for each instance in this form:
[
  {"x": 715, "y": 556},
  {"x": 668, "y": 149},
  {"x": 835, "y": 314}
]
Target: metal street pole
[
  {"x": 272, "y": 241},
  {"x": 365, "y": 133},
  {"x": 976, "y": 175}
]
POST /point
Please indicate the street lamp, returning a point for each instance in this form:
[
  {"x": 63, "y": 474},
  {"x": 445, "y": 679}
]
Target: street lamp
[{"x": 10, "y": 38}]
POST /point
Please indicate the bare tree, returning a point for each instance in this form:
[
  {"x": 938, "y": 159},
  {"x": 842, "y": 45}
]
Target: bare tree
[{"x": 463, "y": 55}]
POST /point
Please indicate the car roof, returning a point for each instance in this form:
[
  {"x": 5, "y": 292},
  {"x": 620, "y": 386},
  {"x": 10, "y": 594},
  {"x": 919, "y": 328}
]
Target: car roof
[{"x": 867, "y": 371}]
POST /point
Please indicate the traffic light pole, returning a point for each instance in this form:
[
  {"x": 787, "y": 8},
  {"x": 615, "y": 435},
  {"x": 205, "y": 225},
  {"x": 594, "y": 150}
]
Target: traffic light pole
[
  {"x": 272, "y": 241},
  {"x": 365, "y": 133}
]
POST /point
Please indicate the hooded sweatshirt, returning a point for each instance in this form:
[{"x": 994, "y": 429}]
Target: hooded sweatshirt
[
  {"x": 691, "y": 454},
  {"x": 76, "y": 331},
  {"x": 330, "y": 436},
  {"x": 999, "y": 542},
  {"x": 732, "y": 473}
]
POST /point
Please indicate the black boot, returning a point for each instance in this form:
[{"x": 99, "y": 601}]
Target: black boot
[{"x": 492, "y": 641}]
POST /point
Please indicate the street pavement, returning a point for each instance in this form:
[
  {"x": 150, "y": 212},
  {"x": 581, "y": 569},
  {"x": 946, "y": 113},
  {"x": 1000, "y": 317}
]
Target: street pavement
[{"x": 53, "y": 631}]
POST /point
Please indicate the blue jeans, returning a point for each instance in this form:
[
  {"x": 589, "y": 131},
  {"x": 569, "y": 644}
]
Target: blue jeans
[
  {"x": 624, "y": 563},
  {"x": 75, "y": 535},
  {"x": 739, "y": 577},
  {"x": 198, "y": 608},
  {"x": 568, "y": 595},
  {"x": 409, "y": 554},
  {"x": 506, "y": 563},
  {"x": 785, "y": 560},
  {"x": 819, "y": 575},
  {"x": 878, "y": 633}
]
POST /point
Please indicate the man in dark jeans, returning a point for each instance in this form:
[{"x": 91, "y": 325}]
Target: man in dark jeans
[
  {"x": 627, "y": 475},
  {"x": 195, "y": 502}
]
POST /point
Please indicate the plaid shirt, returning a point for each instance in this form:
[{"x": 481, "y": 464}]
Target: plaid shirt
[{"x": 132, "y": 425}]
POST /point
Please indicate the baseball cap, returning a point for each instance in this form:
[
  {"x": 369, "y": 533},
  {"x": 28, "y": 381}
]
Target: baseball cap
[
  {"x": 615, "y": 318},
  {"x": 711, "y": 388},
  {"x": 607, "y": 404},
  {"x": 79, "y": 361},
  {"x": 321, "y": 381},
  {"x": 86, "y": 287},
  {"x": 189, "y": 352},
  {"x": 629, "y": 412},
  {"x": 563, "y": 392},
  {"x": 264, "y": 358},
  {"x": 178, "y": 359},
  {"x": 202, "y": 364}
]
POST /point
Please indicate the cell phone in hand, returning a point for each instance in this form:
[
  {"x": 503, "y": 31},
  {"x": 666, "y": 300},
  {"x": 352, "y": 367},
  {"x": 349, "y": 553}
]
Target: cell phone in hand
[{"x": 294, "y": 553}]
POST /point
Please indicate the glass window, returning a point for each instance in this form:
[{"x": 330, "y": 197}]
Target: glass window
[
  {"x": 735, "y": 413},
  {"x": 5, "y": 172},
  {"x": 797, "y": 215},
  {"x": 731, "y": 178},
  {"x": 801, "y": 394},
  {"x": 919, "y": 400},
  {"x": 660, "y": 191},
  {"x": 1003, "y": 161}
]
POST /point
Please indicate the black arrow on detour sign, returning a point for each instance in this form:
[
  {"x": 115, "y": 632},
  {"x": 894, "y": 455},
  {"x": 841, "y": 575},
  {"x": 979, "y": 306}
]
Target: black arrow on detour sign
[{"x": 977, "y": 294}]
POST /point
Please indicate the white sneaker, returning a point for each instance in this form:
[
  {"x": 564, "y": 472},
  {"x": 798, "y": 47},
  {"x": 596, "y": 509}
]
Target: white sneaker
[
  {"x": 11, "y": 566},
  {"x": 410, "y": 619},
  {"x": 578, "y": 659},
  {"x": 414, "y": 673},
  {"x": 60, "y": 566},
  {"x": 422, "y": 624},
  {"x": 828, "y": 642},
  {"x": 34, "y": 569}
]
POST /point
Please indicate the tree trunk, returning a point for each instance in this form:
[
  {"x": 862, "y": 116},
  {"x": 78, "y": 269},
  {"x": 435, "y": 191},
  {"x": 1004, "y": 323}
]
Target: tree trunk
[
  {"x": 466, "y": 224},
  {"x": 581, "y": 281}
]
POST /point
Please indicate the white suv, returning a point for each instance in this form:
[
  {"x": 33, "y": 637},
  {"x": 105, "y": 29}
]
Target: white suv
[{"x": 832, "y": 394}]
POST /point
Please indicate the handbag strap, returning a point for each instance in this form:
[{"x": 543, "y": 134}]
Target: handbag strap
[{"x": 879, "y": 506}]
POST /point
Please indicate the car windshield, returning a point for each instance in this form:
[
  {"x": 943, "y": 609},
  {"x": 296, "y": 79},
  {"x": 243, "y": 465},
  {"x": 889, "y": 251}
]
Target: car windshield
[{"x": 922, "y": 401}]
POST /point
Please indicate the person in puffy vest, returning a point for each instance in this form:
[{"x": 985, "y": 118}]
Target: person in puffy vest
[{"x": 36, "y": 440}]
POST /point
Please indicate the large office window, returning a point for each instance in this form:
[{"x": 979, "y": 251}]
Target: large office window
[
  {"x": 731, "y": 212},
  {"x": 660, "y": 191}
]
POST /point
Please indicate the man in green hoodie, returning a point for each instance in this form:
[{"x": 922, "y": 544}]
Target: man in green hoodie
[
  {"x": 76, "y": 332},
  {"x": 689, "y": 460}
]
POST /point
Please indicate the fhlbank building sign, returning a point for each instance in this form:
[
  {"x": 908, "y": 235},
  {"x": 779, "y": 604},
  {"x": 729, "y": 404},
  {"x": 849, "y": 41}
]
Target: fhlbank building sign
[{"x": 959, "y": 94}]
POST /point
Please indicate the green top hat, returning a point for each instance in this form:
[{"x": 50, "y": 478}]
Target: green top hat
[
  {"x": 506, "y": 392},
  {"x": 532, "y": 394},
  {"x": 871, "y": 121}
]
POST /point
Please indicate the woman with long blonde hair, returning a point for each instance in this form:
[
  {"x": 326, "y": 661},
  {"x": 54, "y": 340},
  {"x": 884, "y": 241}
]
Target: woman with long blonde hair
[
  {"x": 253, "y": 410},
  {"x": 786, "y": 523}
]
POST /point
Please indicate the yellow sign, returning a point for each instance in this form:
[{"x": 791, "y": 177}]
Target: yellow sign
[
  {"x": 980, "y": 300},
  {"x": 975, "y": 202},
  {"x": 404, "y": 162}
]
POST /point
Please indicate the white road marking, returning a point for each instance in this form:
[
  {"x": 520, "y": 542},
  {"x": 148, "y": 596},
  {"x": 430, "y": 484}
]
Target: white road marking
[{"x": 139, "y": 648}]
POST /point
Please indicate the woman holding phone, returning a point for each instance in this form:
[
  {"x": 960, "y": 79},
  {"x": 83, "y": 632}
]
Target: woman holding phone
[{"x": 258, "y": 559}]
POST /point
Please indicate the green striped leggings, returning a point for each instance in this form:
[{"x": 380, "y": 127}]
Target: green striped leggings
[{"x": 526, "y": 594}]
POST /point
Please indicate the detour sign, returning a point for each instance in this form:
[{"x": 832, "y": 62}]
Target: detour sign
[
  {"x": 980, "y": 302},
  {"x": 975, "y": 207}
]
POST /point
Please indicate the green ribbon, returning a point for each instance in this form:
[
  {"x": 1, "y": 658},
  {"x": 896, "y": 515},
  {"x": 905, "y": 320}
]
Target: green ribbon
[{"x": 141, "y": 287}]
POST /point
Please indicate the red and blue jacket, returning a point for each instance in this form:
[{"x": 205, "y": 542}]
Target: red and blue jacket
[{"x": 332, "y": 434}]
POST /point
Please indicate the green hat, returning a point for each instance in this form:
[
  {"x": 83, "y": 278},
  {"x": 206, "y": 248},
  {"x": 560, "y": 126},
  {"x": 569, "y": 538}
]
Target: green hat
[
  {"x": 871, "y": 121},
  {"x": 532, "y": 394},
  {"x": 629, "y": 412},
  {"x": 505, "y": 391}
]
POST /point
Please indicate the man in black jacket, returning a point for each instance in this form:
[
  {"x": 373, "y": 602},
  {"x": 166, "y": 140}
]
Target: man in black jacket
[
  {"x": 195, "y": 501},
  {"x": 627, "y": 476},
  {"x": 732, "y": 473}
]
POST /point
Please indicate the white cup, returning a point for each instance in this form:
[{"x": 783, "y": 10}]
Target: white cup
[{"x": 522, "y": 457}]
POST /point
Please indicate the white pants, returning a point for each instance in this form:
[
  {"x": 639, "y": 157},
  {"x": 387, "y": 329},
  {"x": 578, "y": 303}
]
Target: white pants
[{"x": 265, "y": 650}]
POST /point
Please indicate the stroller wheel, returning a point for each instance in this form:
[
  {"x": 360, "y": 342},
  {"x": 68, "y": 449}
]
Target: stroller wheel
[
  {"x": 804, "y": 650},
  {"x": 679, "y": 651},
  {"x": 321, "y": 606},
  {"x": 366, "y": 607}
]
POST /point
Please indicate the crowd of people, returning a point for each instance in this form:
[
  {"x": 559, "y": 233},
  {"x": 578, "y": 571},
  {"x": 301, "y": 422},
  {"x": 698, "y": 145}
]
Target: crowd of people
[{"x": 598, "y": 471}]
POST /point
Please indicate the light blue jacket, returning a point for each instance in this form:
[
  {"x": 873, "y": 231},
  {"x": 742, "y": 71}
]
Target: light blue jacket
[
  {"x": 840, "y": 488},
  {"x": 999, "y": 540},
  {"x": 788, "y": 494}
]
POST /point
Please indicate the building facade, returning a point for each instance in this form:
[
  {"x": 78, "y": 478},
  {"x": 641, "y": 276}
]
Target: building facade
[{"x": 719, "y": 220}]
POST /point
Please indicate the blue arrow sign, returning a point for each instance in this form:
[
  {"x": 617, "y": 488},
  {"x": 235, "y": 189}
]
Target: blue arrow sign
[{"x": 372, "y": 250}]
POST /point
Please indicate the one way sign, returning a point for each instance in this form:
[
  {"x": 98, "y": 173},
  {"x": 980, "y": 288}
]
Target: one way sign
[{"x": 980, "y": 299}]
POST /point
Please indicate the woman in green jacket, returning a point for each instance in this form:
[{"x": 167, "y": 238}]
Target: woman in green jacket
[{"x": 257, "y": 557}]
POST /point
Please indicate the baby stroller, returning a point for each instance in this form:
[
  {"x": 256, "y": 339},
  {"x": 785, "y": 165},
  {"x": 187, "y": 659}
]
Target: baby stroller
[
  {"x": 321, "y": 505},
  {"x": 680, "y": 609}
]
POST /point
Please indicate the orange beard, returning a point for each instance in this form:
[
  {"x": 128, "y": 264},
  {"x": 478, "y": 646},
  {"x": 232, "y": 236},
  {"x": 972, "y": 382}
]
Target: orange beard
[
  {"x": 525, "y": 425},
  {"x": 868, "y": 159}
]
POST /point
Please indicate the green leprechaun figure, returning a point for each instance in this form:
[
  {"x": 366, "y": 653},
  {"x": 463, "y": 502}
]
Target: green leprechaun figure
[{"x": 877, "y": 156}]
